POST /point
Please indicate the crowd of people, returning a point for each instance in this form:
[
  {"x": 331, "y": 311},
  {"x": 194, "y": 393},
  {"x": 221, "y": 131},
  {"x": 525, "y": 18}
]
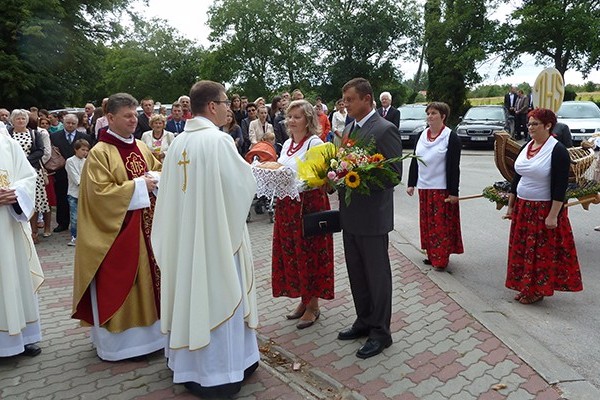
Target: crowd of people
[{"x": 157, "y": 208}]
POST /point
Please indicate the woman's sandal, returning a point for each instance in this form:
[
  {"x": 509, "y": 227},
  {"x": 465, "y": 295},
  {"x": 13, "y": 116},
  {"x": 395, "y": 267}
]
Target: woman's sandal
[
  {"x": 518, "y": 296},
  {"x": 530, "y": 299},
  {"x": 298, "y": 312},
  {"x": 306, "y": 323}
]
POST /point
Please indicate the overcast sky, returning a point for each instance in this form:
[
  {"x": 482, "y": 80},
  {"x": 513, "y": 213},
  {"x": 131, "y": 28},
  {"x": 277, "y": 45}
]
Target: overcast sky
[{"x": 189, "y": 17}]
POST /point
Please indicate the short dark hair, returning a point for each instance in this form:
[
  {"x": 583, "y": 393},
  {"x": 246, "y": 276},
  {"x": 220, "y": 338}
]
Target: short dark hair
[
  {"x": 79, "y": 143},
  {"x": 119, "y": 100},
  {"x": 442, "y": 108},
  {"x": 251, "y": 105},
  {"x": 202, "y": 93},
  {"x": 361, "y": 85}
]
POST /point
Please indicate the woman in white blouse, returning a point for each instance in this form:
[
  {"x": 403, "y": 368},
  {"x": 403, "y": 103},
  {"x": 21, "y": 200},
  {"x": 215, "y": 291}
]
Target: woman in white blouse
[
  {"x": 158, "y": 139},
  {"x": 302, "y": 267},
  {"x": 338, "y": 122},
  {"x": 259, "y": 126}
]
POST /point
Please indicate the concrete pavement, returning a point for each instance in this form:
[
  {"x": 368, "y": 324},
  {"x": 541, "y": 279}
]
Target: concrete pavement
[{"x": 440, "y": 350}]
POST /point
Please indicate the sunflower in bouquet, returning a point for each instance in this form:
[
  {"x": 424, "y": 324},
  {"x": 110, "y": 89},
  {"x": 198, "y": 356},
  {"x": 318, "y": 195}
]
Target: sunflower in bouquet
[{"x": 355, "y": 166}]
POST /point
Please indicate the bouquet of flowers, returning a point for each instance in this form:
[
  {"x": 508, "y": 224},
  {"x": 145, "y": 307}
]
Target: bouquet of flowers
[{"x": 353, "y": 166}]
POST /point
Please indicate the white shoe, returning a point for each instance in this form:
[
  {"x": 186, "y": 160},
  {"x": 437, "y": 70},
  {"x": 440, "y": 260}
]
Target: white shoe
[
  {"x": 72, "y": 242},
  {"x": 597, "y": 228}
]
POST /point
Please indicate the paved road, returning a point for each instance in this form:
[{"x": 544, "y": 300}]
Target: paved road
[
  {"x": 440, "y": 350},
  {"x": 567, "y": 324}
]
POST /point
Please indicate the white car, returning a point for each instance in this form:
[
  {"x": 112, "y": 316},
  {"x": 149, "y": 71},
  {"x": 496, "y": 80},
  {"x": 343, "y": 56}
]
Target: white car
[{"x": 582, "y": 118}]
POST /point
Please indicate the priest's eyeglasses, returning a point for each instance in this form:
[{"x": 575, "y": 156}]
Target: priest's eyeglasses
[{"x": 227, "y": 102}]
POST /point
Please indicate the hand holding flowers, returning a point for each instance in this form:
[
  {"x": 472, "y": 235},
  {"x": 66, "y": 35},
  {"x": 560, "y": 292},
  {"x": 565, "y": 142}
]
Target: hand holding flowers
[{"x": 352, "y": 167}]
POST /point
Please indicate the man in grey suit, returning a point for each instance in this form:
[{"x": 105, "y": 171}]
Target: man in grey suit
[{"x": 366, "y": 223}]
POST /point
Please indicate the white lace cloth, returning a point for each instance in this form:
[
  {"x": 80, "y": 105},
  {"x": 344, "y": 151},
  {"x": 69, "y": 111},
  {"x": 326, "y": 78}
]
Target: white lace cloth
[{"x": 276, "y": 183}]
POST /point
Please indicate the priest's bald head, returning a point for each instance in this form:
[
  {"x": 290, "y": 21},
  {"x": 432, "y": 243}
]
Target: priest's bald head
[{"x": 209, "y": 100}]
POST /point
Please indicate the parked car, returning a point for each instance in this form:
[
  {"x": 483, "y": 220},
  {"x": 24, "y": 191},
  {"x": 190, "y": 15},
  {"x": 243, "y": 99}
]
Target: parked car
[
  {"x": 72, "y": 110},
  {"x": 480, "y": 123},
  {"x": 582, "y": 117},
  {"x": 156, "y": 108},
  {"x": 413, "y": 121}
]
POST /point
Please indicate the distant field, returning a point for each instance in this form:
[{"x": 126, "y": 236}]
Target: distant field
[{"x": 594, "y": 96}]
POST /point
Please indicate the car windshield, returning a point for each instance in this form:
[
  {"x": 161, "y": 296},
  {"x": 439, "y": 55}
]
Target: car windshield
[
  {"x": 417, "y": 113},
  {"x": 578, "y": 110},
  {"x": 485, "y": 113}
]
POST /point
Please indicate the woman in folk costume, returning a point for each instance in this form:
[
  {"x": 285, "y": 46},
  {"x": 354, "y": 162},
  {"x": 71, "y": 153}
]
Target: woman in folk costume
[
  {"x": 302, "y": 267},
  {"x": 437, "y": 178},
  {"x": 20, "y": 271},
  {"x": 541, "y": 250}
]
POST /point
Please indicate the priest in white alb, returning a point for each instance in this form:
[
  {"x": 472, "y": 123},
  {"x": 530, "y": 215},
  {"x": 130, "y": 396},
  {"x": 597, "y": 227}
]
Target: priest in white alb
[
  {"x": 20, "y": 271},
  {"x": 201, "y": 244}
]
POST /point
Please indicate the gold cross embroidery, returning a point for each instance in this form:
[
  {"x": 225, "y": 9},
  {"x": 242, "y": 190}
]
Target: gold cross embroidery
[
  {"x": 4, "y": 179},
  {"x": 184, "y": 162}
]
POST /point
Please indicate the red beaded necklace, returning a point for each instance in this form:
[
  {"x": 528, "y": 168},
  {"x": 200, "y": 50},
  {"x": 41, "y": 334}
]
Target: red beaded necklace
[
  {"x": 432, "y": 138},
  {"x": 531, "y": 152},
  {"x": 294, "y": 148}
]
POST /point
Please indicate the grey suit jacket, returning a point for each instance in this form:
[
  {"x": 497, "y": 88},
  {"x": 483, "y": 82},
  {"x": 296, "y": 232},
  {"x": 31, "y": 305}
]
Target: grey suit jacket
[{"x": 373, "y": 214}]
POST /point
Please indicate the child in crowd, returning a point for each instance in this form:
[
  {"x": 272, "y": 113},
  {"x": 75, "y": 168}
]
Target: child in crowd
[{"x": 74, "y": 166}]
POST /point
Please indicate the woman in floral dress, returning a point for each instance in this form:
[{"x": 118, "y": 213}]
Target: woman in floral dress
[
  {"x": 541, "y": 250},
  {"x": 302, "y": 267}
]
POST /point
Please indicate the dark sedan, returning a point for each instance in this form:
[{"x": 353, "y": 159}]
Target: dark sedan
[{"x": 480, "y": 123}]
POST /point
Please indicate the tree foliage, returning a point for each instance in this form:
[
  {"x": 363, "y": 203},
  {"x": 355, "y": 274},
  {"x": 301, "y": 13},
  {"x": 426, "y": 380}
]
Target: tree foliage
[
  {"x": 152, "y": 60},
  {"x": 49, "y": 49},
  {"x": 563, "y": 33},
  {"x": 260, "y": 45},
  {"x": 458, "y": 34},
  {"x": 265, "y": 46}
]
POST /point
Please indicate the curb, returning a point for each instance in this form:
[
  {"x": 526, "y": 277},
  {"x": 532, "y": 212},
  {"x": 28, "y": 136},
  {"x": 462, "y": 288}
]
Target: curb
[{"x": 552, "y": 369}]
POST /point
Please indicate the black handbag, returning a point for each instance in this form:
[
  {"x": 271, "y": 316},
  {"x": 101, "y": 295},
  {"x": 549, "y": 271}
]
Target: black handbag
[{"x": 321, "y": 223}]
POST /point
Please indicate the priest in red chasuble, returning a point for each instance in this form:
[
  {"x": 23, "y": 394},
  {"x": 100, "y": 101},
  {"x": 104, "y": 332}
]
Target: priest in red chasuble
[{"x": 117, "y": 281}]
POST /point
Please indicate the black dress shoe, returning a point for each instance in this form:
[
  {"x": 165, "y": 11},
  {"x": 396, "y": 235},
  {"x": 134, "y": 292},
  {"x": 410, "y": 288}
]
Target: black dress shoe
[
  {"x": 32, "y": 350},
  {"x": 220, "y": 391},
  {"x": 60, "y": 228},
  {"x": 373, "y": 347},
  {"x": 352, "y": 333},
  {"x": 250, "y": 370}
]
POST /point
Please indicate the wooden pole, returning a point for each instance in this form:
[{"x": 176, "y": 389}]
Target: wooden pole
[{"x": 473, "y": 196}]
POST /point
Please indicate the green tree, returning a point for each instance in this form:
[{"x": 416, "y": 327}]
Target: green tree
[
  {"x": 458, "y": 34},
  {"x": 153, "y": 60},
  {"x": 561, "y": 32},
  {"x": 364, "y": 38},
  {"x": 49, "y": 50},
  {"x": 261, "y": 45}
]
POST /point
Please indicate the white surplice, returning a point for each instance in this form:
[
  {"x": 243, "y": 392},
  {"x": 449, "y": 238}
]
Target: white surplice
[
  {"x": 201, "y": 244},
  {"x": 20, "y": 271}
]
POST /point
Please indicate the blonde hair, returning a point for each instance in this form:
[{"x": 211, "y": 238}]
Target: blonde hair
[
  {"x": 313, "y": 126},
  {"x": 268, "y": 137},
  {"x": 157, "y": 117}
]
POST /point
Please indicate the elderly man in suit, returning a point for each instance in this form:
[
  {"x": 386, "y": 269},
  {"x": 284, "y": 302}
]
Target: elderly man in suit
[
  {"x": 387, "y": 110},
  {"x": 510, "y": 101},
  {"x": 64, "y": 140},
  {"x": 366, "y": 223}
]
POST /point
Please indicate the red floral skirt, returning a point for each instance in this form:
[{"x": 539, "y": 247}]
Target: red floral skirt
[
  {"x": 541, "y": 260},
  {"x": 301, "y": 267},
  {"x": 440, "y": 226}
]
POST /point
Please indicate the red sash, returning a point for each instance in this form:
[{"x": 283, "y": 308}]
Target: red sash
[{"x": 117, "y": 272}]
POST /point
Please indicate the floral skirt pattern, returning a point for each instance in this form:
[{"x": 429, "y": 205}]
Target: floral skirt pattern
[
  {"x": 541, "y": 260},
  {"x": 440, "y": 226},
  {"x": 302, "y": 267}
]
